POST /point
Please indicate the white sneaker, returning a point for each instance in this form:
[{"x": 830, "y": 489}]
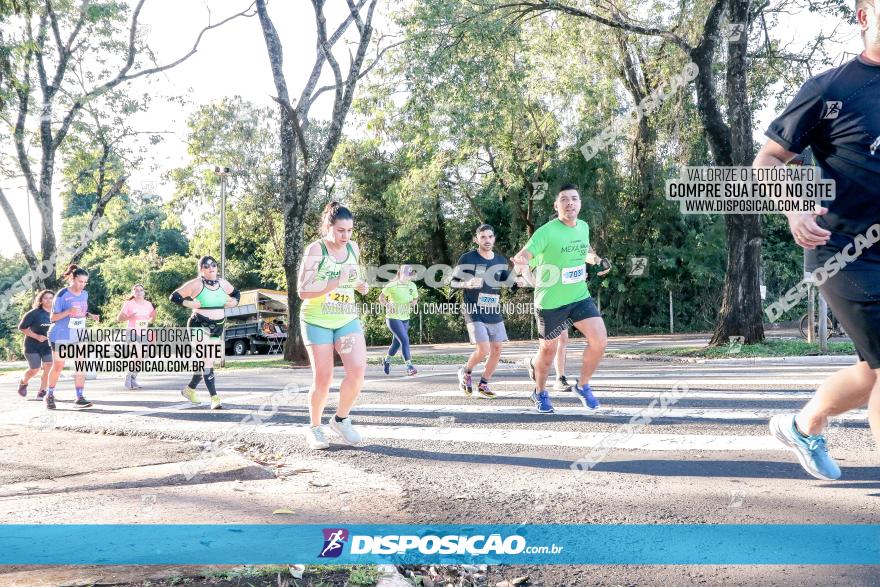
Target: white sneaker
[
  {"x": 316, "y": 439},
  {"x": 562, "y": 384},
  {"x": 127, "y": 384},
  {"x": 345, "y": 430},
  {"x": 135, "y": 384}
]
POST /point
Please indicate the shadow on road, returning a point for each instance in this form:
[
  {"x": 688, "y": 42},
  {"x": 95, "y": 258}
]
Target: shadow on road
[{"x": 648, "y": 467}]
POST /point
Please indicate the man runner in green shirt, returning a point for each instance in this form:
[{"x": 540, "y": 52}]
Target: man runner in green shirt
[{"x": 558, "y": 252}]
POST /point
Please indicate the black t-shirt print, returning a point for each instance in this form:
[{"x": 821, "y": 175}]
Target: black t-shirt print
[
  {"x": 837, "y": 115},
  {"x": 483, "y": 304},
  {"x": 38, "y": 321}
]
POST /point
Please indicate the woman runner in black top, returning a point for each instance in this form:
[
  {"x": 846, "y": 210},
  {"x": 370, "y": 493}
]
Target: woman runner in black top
[{"x": 35, "y": 326}]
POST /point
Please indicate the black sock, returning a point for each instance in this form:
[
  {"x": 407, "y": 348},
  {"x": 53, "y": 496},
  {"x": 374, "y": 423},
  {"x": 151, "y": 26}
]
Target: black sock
[
  {"x": 209, "y": 382},
  {"x": 468, "y": 371},
  {"x": 194, "y": 382},
  {"x": 338, "y": 419},
  {"x": 483, "y": 380}
]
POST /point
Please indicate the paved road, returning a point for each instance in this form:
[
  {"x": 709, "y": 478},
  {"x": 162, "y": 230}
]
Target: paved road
[{"x": 433, "y": 455}]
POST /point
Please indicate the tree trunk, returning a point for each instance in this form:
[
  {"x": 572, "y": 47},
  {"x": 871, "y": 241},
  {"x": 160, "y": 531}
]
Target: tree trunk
[
  {"x": 294, "y": 350},
  {"x": 740, "y": 313},
  {"x": 295, "y": 201},
  {"x": 439, "y": 242},
  {"x": 297, "y": 189},
  {"x": 642, "y": 153}
]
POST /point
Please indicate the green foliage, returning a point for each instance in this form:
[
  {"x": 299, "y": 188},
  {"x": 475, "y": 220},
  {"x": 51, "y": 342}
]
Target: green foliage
[
  {"x": 782, "y": 264},
  {"x": 366, "y": 175},
  {"x": 237, "y": 134},
  {"x": 148, "y": 223},
  {"x": 460, "y": 122},
  {"x": 11, "y": 340}
]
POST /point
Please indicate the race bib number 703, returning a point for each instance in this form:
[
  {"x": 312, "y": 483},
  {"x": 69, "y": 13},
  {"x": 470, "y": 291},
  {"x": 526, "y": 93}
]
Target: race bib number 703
[{"x": 573, "y": 274}]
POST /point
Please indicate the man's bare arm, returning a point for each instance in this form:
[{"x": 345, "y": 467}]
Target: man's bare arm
[{"x": 802, "y": 225}]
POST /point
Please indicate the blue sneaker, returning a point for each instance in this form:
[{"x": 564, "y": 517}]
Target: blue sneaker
[
  {"x": 585, "y": 394},
  {"x": 386, "y": 366},
  {"x": 542, "y": 402},
  {"x": 810, "y": 450}
]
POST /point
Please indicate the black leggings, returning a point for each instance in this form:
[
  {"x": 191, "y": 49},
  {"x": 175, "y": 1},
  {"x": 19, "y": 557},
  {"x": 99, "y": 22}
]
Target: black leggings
[{"x": 215, "y": 330}]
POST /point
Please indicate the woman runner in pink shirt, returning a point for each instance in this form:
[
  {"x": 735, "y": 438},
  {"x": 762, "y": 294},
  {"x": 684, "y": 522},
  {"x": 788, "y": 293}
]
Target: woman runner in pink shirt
[{"x": 137, "y": 312}]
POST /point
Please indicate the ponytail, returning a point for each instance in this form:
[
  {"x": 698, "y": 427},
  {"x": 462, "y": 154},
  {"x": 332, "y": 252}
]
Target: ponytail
[
  {"x": 332, "y": 212},
  {"x": 73, "y": 271}
]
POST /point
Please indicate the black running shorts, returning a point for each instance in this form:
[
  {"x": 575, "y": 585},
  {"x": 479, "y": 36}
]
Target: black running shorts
[
  {"x": 215, "y": 327},
  {"x": 854, "y": 298},
  {"x": 552, "y": 323}
]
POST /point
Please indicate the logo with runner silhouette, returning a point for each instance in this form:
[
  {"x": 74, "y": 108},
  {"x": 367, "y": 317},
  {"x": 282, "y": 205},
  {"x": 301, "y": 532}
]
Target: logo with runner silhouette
[
  {"x": 832, "y": 109},
  {"x": 334, "y": 541}
]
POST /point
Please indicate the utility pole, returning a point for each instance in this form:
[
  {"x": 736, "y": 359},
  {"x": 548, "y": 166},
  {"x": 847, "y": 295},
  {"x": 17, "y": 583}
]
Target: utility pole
[{"x": 223, "y": 172}]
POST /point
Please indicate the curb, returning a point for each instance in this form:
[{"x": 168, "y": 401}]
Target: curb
[{"x": 794, "y": 360}]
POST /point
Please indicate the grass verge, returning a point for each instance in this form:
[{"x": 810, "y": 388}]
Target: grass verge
[
  {"x": 257, "y": 363},
  {"x": 768, "y": 348}
]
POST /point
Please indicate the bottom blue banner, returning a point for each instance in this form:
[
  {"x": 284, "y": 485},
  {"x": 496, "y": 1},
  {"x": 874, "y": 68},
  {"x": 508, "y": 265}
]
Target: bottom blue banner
[{"x": 443, "y": 544}]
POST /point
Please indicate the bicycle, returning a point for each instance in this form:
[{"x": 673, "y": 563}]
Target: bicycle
[{"x": 834, "y": 327}]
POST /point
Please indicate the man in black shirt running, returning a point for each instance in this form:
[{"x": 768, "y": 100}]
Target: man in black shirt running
[
  {"x": 481, "y": 273},
  {"x": 837, "y": 114}
]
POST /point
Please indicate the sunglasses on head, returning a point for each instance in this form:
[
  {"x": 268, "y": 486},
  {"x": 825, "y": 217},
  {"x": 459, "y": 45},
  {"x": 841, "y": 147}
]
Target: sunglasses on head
[{"x": 209, "y": 265}]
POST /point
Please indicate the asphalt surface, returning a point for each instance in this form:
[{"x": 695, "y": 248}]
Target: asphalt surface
[{"x": 433, "y": 455}]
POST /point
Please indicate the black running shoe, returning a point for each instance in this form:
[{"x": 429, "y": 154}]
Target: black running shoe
[
  {"x": 50, "y": 402},
  {"x": 22, "y": 389},
  {"x": 41, "y": 394},
  {"x": 483, "y": 390},
  {"x": 82, "y": 402}
]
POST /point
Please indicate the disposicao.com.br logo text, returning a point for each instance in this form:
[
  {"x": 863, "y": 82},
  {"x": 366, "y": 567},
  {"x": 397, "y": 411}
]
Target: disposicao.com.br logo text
[{"x": 453, "y": 544}]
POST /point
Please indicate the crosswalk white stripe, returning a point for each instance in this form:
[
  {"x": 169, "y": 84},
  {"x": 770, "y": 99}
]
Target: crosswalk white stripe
[
  {"x": 691, "y": 378},
  {"x": 650, "y": 442},
  {"x": 446, "y": 432},
  {"x": 487, "y": 436},
  {"x": 611, "y": 394},
  {"x": 671, "y": 413}
]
